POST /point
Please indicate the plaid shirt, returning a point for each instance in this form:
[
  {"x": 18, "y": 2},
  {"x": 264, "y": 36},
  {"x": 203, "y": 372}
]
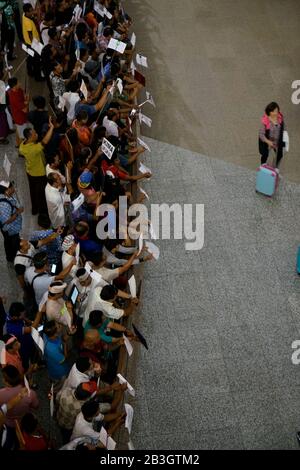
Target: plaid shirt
[
  {"x": 68, "y": 408},
  {"x": 53, "y": 248},
  {"x": 6, "y": 211}
]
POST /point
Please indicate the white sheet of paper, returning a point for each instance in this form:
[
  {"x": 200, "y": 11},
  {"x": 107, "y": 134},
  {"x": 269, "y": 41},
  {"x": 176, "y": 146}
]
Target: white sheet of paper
[
  {"x": 77, "y": 54},
  {"x": 37, "y": 46},
  {"x": 77, "y": 253},
  {"x": 129, "y": 417},
  {"x": 130, "y": 445},
  {"x": 77, "y": 12},
  {"x": 118, "y": 46},
  {"x": 78, "y": 202},
  {"x": 133, "y": 68},
  {"x": 144, "y": 169},
  {"x": 103, "y": 436},
  {"x": 142, "y": 60},
  {"x": 107, "y": 14},
  {"x": 120, "y": 85},
  {"x": 107, "y": 148},
  {"x": 152, "y": 233},
  {"x": 83, "y": 90},
  {"x": 150, "y": 99},
  {"x": 26, "y": 383},
  {"x": 153, "y": 249},
  {"x": 143, "y": 144},
  {"x": 132, "y": 286},
  {"x": 52, "y": 401},
  {"x": 28, "y": 50},
  {"x": 128, "y": 345},
  {"x": 130, "y": 389},
  {"x": 6, "y": 165},
  {"x": 144, "y": 192},
  {"x": 38, "y": 339},
  {"x": 145, "y": 119},
  {"x": 133, "y": 40},
  {"x": 2, "y": 353},
  {"x": 98, "y": 8}
]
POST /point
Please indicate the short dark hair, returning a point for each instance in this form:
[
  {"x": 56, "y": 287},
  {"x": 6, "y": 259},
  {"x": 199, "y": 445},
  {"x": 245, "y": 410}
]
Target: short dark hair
[
  {"x": 10, "y": 345},
  {"x": 73, "y": 86},
  {"x": 52, "y": 32},
  {"x": 12, "y": 82},
  {"x": 81, "y": 393},
  {"x": 15, "y": 309},
  {"x": 80, "y": 272},
  {"x": 27, "y": 133},
  {"x": 82, "y": 115},
  {"x": 108, "y": 292},
  {"x": 51, "y": 178},
  {"x": 271, "y": 107},
  {"x": 29, "y": 423},
  {"x": 89, "y": 409},
  {"x": 40, "y": 260},
  {"x": 11, "y": 375},
  {"x": 50, "y": 328},
  {"x": 80, "y": 229},
  {"x": 27, "y": 8},
  {"x": 108, "y": 31},
  {"x": 39, "y": 102},
  {"x": 95, "y": 317},
  {"x": 82, "y": 364},
  {"x": 49, "y": 15}
]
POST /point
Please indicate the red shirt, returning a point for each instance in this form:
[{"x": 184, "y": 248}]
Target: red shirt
[
  {"x": 34, "y": 443},
  {"x": 115, "y": 170},
  {"x": 17, "y": 104}
]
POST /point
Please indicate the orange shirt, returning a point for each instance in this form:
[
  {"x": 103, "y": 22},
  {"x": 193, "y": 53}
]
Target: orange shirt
[{"x": 15, "y": 360}]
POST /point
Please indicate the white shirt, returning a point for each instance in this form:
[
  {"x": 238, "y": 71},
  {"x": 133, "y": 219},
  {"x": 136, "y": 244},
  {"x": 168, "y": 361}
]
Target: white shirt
[
  {"x": 66, "y": 260},
  {"x": 44, "y": 34},
  {"x": 55, "y": 202},
  {"x": 84, "y": 292},
  {"x": 41, "y": 283},
  {"x": 21, "y": 258},
  {"x": 56, "y": 310},
  {"x": 85, "y": 428},
  {"x": 71, "y": 99},
  {"x": 107, "y": 274},
  {"x": 111, "y": 127},
  {"x": 50, "y": 170},
  {"x": 96, "y": 303},
  {"x": 75, "y": 378}
]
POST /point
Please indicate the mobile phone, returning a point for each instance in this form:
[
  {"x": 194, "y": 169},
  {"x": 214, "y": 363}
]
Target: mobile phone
[
  {"x": 53, "y": 269},
  {"x": 74, "y": 295}
]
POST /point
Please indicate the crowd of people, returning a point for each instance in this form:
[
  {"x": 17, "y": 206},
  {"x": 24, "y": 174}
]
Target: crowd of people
[{"x": 70, "y": 324}]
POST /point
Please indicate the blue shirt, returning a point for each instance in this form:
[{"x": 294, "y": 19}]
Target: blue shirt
[
  {"x": 89, "y": 247},
  {"x": 6, "y": 211},
  {"x": 55, "y": 358},
  {"x": 16, "y": 328},
  {"x": 89, "y": 108},
  {"x": 102, "y": 331},
  {"x": 53, "y": 249}
]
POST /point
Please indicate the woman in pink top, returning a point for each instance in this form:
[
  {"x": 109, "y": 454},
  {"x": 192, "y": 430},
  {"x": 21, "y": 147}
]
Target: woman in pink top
[{"x": 12, "y": 355}]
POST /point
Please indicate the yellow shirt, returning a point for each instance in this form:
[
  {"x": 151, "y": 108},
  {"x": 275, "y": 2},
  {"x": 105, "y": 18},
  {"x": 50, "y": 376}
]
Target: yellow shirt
[
  {"x": 34, "y": 158},
  {"x": 29, "y": 26}
]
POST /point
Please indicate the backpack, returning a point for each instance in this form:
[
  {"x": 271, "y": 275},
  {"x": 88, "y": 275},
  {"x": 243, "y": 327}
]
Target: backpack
[{"x": 30, "y": 303}]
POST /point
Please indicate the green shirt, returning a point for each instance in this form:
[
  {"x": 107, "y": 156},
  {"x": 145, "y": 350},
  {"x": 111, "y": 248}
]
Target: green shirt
[
  {"x": 34, "y": 158},
  {"x": 101, "y": 331}
]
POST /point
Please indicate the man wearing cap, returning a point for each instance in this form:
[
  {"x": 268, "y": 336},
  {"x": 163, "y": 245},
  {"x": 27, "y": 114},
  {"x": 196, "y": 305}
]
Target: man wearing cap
[
  {"x": 85, "y": 284},
  {"x": 38, "y": 277},
  {"x": 10, "y": 219},
  {"x": 55, "y": 306},
  {"x": 57, "y": 200}
]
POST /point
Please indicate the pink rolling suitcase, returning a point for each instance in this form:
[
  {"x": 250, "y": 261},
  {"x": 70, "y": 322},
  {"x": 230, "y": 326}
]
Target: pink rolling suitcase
[{"x": 267, "y": 180}]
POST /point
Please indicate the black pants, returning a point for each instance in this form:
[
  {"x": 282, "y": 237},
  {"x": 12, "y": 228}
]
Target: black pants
[
  {"x": 11, "y": 245},
  {"x": 34, "y": 66},
  {"x": 8, "y": 37},
  {"x": 37, "y": 186}
]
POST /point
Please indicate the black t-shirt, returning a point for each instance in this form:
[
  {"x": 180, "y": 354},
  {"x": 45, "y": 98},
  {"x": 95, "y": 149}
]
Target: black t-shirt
[{"x": 38, "y": 119}]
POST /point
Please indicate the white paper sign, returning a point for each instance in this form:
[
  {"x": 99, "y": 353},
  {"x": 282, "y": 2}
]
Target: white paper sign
[
  {"x": 129, "y": 417},
  {"x": 145, "y": 119},
  {"x": 128, "y": 345},
  {"x": 37, "y": 46},
  {"x": 142, "y": 60},
  {"x": 130, "y": 389},
  {"x": 152, "y": 233},
  {"x": 83, "y": 90},
  {"x": 130, "y": 445},
  {"x": 107, "y": 148},
  {"x": 38, "y": 339},
  {"x": 78, "y": 202},
  {"x": 133, "y": 40},
  {"x": 77, "y": 12},
  {"x": 133, "y": 68},
  {"x": 153, "y": 249},
  {"x": 150, "y": 99},
  {"x": 28, "y": 50},
  {"x": 132, "y": 286},
  {"x": 119, "y": 84},
  {"x": 94, "y": 275},
  {"x": 2, "y": 353},
  {"x": 52, "y": 401},
  {"x": 118, "y": 46},
  {"x": 141, "y": 244},
  {"x": 26, "y": 383},
  {"x": 144, "y": 192},
  {"x": 6, "y": 165},
  {"x": 106, "y": 440},
  {"x": 107, "y": 13},
  {"x": 144, "y": 169},
  {"x": 98, "y": 8},
  {"x": 143, "y": 144}
]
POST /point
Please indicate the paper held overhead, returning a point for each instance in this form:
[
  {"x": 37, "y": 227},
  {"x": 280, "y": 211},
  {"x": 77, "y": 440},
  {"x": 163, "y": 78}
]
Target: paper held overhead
[
  {"x": 141, "y": 244},
  {"x": 142, "y": 60},
  {"x": 83, "y": 90},
  {"x": 119, "y": 84},
  {"x": 78, "y": 202},
  {"x": 150, "y": 99},
  {"x": 144, "y": 192},
  {"x": 133, "y": 40},
  {"x": 107, "y": 148},
  {"x": 128, "y": 345},
  {"x": 98, "y": 8},
  {"x": 143, "y": 144},
  {"x": 107, "y": 13},
  {"x": 129, "y": 417},
  {"x": 153, "y": 249},
  {"x": 132, "y": 286},
  {"x": 145, "y": 119},
  {"x": 130, "y": 389},
  {"x": 144, "y": 169},
  {"x": 6, "y": 165},
  {"x": 116, "y": 45}
]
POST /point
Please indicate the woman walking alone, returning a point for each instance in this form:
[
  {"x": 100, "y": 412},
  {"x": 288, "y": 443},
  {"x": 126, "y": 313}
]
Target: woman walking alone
[{"x": 271, "y": 134}]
